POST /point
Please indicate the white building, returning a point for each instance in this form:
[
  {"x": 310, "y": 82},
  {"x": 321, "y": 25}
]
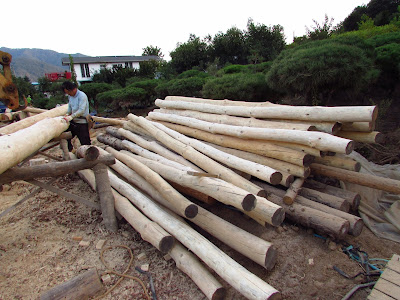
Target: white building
[{"x": 85, "y": 67}]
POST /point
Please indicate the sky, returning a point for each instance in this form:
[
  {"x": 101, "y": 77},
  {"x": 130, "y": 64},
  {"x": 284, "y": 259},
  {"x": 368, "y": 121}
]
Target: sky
[{"x": 122, "y": 27}]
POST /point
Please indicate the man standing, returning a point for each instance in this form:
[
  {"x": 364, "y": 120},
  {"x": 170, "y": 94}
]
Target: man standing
[{"x": 78, "y": 110}]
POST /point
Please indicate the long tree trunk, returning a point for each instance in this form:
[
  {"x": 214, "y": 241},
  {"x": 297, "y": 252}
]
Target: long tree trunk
[
  {"x": 312, "y": 113},
  {"x": 15, "y": 147},
  {"x": 238, "y": 277},
  {"x": 320, "y": 140},
  {"x": 24, "y": 123}
]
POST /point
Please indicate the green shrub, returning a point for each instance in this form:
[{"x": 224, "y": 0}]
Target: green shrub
[
  {"x": 388, "y": 57},
  {"x": 189, "y": 87},
  {"x": 161, "y": 89},
  {"x": 148, "y": 85},
  {"x": 321, "y": 67},
  {"x": 384, "y": 39},
  {"x": 126, "y": 98},
  {"x": 239, "y": 86},
  {"x": 192, "y": 73}
]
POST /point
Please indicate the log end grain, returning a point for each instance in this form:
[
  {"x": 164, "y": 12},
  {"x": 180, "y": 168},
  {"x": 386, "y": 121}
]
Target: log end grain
[
  {"x": 357, "y": 167},
  {"x": 262, "y": 193},
  {"x": 336, "y": 127},
  {"x": 270, "y": 258},
  {"x": 356, "y": 227},
  {"x": 166, "y": 244},
  {"x": 191, "y": 211},
  {"x": 379, "y": 138},
  {"x": 249, "y": 202},
  {"x": 288, "y": 200},
  {"x": 349, "y": 147},
  {"x": 219, "y": 294},
  {"x": 288, "y": 181},
  {"x": 275, "y": 296},
  {"x": 276, "y": 178},
  {"x": 345, "y": 206},
  {"x": 278, "y": 217},
  {"x": 308, "y": 160},
  {"x": 356, "y": 202}
]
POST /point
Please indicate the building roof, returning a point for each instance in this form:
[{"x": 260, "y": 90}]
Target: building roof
[{"x": 107, "y": 59}]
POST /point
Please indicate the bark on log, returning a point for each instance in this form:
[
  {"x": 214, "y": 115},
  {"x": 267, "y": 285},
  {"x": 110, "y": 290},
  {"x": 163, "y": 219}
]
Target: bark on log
[
  {"x": 258, "y": 250},
  {"x": 196, "y": 157},
  {"x": 352, "y": 197},
  {"x": 190, "y": 265},
  {"x": 327, "y": 199},
  {"x": 156, "y": 148},
  {"x": 112, "y": 130},
  {"x": 320, "y": 140},
  {"x": 292, "y": 191},
  {"x": 237, "y": 121},
  {"x": 53, "y": 169},
  {"x": 338, "y": 161},
  {"x": 104, "y": 192},
  {"x": 55, "y": 112},
  {"x": 15, "y": 147},
  {"x": 267, "y": 149},
  {"x": 88, "y": 152},
  {"x": 220, "y": 190},
  {"x": 185, "y": 207},
  {"x": 356, "y": 224},
  {"x": 282, "y": 166},
  {"x": 312, "y": 113},
  {"x": 376, "y": 182},
  {"x": 257, "y": 170},
  {"x": 109, "y": 140},
  {"x": 312, "y": 218},
  {"x": 363, "y": 137},
  {"x": 83, "y": 286},
  {"x": 239, "y": 278}
]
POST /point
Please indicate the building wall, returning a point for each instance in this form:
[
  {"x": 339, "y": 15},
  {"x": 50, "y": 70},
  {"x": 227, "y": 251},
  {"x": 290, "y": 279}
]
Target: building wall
[{"x": 93, "y": 68}]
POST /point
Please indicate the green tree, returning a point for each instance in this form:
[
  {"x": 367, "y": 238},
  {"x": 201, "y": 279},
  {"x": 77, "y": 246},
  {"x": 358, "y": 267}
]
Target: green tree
[
  {"x": 72, "y": 68},
  {"x": 190, "y": 54},
  {"x": 230, "y": 47},
  {"x": 92, "y": 89}
]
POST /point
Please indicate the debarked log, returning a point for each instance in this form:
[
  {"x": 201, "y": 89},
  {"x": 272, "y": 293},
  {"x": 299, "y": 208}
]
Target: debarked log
[
  {"x": 53, "y": 169},
  {"x": 197, "y": 157},
  {"x": 292, "y": 191},
  {"x": 327, "y": 199},
  {"x": 320, "y": 140},
  {"x": 265, "y": 148},
  {"x": 234, "y": 274},
  {"x": 15, "y": 147},
  {"x": 356, "y": 223},
  {"x": 372, "y": 181},
  {"x": 339, "y": 161},
  {"x": 312, "y": 218},
  {"x": 363, "y": 137},
  {"x": 312, "y": 113}
]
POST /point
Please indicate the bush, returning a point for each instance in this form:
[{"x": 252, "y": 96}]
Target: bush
[
  {"x": 126, "y": 98},
  {"x": 239, "y": 86},
  {"x": 161, "y": 89},
  {"x": 189, "y": 87},
  {"x": 384, "y": 39},
  {"x": 192, "y": 73},
  {"x": 148, "y": 85},
  {"x": 388, "y": 58},
  {"x": 321, "y": 68}
]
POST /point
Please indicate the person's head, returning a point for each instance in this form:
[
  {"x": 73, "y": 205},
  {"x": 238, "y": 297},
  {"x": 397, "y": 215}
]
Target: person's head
[{"x": 69, "y": 88}]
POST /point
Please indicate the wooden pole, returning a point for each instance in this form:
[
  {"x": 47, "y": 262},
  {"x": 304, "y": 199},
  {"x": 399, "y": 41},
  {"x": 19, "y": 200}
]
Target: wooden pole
[
  {"x": 88, "y": 152},
  {"x": 356, "y": 224},
  {"x": 196, "y": 157},
  {"x": 53, "y": 169},
  {"x": 327, "y": 199},
  {"x": 15, "y": 147},
  {"x": 338, "y": 161},
  {"x": 292, "y": 191},
  {"x": 258, "y": 250},
  {"x": 238, "y": 277},
  {"x": 264, "y": 148},
  {"x": 352, "y": 197},
  {"x": 260, "y": 171},
  {"x": 111, "y": 121},
  {"x": 363, "y": 137},
  {"x": 312, "y": 113},
  {"x": 358, "y": 126},
  {"x": 104, "y": 192},
  {"x": 320, "y": 140},
  {"x": 24, "y": 123},
  {"x": 83, "y": 286},
  {"x": 372, "y": 181}
]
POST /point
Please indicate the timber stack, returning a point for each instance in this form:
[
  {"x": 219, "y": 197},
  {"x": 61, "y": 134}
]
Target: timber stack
[{"x": 262, "y": 159}]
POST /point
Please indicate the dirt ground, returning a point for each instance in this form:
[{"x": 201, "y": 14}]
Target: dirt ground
[{"x": 40, "y": 248}]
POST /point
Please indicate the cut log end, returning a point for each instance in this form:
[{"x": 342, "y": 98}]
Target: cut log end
[
  {"x": 92, "y": 153},
  {"x": 357, "y": 167},
  {"x": 344, "y": 229},
  {"x": 219, "y": 294},
  {"x": 379, "y": 138},
  {"x": 357, "y": 228},
  {"x": 308, "y": 160},
  {"x": 270, "y": 258},
  {"x": 349, "y": 147},
  {"x": 345, "y": 206},
  {"x": 356, "y": 202},
  {"x": 275, "y": 296},
  {"x": 336, "y": 127},
  {"x": 249, "y": 202},
  {"x": 191, "y": 211},
  {"x": 288, "y": 200},
  {"x": 278, "y": 217},
  {"x": 262, "y": 193},
  {"x": 166, "y": 244},
  {"x": 276, "y": 178}
]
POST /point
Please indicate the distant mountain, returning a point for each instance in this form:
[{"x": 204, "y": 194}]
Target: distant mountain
[{"x": 34, "y": 63}]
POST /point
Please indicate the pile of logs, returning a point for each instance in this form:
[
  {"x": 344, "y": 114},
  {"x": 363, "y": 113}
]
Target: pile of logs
[{"x": 260, "y": 158}]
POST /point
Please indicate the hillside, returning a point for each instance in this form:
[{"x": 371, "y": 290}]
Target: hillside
[{"x": 34, "y": 63}]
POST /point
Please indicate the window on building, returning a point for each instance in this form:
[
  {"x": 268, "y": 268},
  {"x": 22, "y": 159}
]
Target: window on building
[{"x": 85, "y": 70}]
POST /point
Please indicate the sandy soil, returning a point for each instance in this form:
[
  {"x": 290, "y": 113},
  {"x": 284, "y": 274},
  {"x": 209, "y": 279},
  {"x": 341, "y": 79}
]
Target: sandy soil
[{"x": 40, "y": 248}]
